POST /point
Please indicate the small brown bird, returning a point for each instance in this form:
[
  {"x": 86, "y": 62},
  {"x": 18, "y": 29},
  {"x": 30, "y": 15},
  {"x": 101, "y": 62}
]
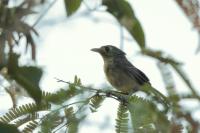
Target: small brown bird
[
  {"x": 121, "y": 74},
  {"x": 124, "y": 76}
]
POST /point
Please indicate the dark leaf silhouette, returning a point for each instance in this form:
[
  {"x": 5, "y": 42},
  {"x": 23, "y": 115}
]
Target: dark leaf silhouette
[
  {"x": 123, "y": 11},
  {"x": 72, "y": 6},
  {"x": 7, "y": 128}
]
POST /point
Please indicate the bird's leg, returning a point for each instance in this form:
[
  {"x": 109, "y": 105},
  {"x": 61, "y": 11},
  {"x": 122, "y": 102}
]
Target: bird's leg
[
  {"x": 108, "y": 93},
  {"x": 120, "y": 96},
  {"x": 123, "y": 99},
  {"x": 125, "y": 95}
]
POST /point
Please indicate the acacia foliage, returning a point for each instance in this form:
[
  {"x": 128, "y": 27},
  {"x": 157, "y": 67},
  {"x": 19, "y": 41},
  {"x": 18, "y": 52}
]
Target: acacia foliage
[{"x": 134, "y": 113}]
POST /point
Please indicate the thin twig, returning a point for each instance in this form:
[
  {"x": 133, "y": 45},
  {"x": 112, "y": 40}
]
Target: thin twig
[
  {"x": 53, "y": 111},
  {"x": 198, "y": 48},
  {"x": 121, "y": 37},
  {"x": 88, "y": 88},
  {"x": 119, "y": 96},
  {"x": 60, "y": 127},
  {"x": 69, "y": 121},
  {"x": 44, "y": 13},
  {"x": 11, "y": 94}
]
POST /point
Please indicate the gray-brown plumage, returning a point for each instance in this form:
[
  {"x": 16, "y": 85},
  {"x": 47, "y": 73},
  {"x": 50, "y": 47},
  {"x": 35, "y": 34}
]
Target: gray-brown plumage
[
  {"x": 119, "y": 71},
  {"x": 124, "y": 76}
]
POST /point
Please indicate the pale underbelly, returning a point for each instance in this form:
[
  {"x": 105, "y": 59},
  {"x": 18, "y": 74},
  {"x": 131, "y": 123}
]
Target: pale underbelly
[{"x": 121, "y": 81}]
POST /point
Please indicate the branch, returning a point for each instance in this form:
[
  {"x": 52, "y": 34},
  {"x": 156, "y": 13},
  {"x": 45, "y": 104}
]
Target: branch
[
  {"x": 121, "y": 37},
  {"x": 44, "y": 13},
  {"x": 120, "y": 96}
]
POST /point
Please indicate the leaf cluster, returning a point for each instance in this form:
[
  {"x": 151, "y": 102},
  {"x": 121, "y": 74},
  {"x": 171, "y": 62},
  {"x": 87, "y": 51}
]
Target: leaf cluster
[{"x": 149, "y": 119}]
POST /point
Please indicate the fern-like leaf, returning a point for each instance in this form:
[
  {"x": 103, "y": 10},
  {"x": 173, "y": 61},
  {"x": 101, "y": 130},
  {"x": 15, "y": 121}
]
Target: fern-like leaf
[
  {"x": 26, "y": 119},
  {"x": 146, "y": 117},
  {"x": 77, "y": 81},
  {"x": 63, "y": 95},
  {"x": 46, "y": 95},
  {"x": 95, "y": 102},
  {"x": 122, "y": 119},
  {"x": 50, "y": 122},
  {"x": 14, "y": 113},
  {"x": 72, "y": 121},
  {"x": 69, "y": 112},
  {"x": 30, "y": 127}
]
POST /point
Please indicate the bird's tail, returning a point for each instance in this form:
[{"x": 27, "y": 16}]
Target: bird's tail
[{"x": 155, "y": 94}]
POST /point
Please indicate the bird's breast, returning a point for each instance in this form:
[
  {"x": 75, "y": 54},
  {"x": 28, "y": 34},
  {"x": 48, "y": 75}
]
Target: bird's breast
[{"x": 117, "y": 78}]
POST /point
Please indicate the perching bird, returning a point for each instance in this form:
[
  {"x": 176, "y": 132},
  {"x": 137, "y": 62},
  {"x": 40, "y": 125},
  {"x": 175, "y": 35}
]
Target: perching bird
[{"x": 121, "y": 74}]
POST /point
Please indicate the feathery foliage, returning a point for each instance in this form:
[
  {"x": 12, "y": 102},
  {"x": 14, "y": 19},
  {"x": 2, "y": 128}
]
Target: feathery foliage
[
  {"x": 72, "y": 121},
  {"x": 28, "y": 118},
  {"x": 122, "y": 119},
  {"x": 30, "y": 108},
  {"x": 95, "y": 102},
  {"x": 65, "y": 94},
  {"x": 50, "y": 121},
  {"x": 30, "y": 127},
  {"x": 146, "y": 117}
]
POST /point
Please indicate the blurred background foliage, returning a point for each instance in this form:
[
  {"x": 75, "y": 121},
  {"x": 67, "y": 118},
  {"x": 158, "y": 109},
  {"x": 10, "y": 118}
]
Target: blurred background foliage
[{"x": 65, "y": 109}]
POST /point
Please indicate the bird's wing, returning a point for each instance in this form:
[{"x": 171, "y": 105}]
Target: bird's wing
[{"x": 132, "y": 71}]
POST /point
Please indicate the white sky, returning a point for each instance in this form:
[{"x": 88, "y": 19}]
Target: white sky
[{"x": 64, "y": 48}]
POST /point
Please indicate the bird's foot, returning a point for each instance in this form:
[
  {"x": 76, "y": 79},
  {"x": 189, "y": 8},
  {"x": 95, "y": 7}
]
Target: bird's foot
[{"x": 123, "y": 99}]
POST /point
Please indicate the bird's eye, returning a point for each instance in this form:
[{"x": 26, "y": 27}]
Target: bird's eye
[{"x": 107, "y": 49}]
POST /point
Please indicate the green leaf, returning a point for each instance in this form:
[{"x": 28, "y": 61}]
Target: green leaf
[
  {"x": 146, "y": 117},
  {"x": 27, "y": 76},
  {"x": 72, "y": 121},
  {"x": 77, "y": 80},
  {"x": 63, "y": 95},
  {"x": 50, "y": 121},
  {"x": 12, "y": 63},
  {"x": 95, "y": 102},
  {"x": 122, "y": 119},
  {"x": 124, "y": 13},
  {"x": 32, "y": 73},
  {"x": 26, "y": 109},
  {"x": 30, "y": 127},
  {"x": 72, "y": 6},
  {"x": 7, "y": 128}
]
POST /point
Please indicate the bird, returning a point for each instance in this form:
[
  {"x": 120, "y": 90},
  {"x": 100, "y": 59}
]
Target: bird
[{"x": 121, "y": 74}]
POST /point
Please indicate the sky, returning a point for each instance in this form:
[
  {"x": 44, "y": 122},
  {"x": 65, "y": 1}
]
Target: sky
[{"x": 64, "y": 49}]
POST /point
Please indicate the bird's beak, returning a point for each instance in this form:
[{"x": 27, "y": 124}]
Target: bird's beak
[{"x": 96, "y": 50}]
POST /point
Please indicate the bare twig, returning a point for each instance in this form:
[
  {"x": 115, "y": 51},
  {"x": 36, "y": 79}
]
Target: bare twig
[
  {"x": 88, "y": 88},
  {"x": 44, "y": 13},
  {"x": 12, "y": 94},
  {"x": 121, "y": 37}
]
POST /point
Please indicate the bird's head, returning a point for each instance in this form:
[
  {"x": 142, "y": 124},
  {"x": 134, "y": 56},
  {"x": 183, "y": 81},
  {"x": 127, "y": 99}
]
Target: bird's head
[{"x": 108, "y": 51}]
